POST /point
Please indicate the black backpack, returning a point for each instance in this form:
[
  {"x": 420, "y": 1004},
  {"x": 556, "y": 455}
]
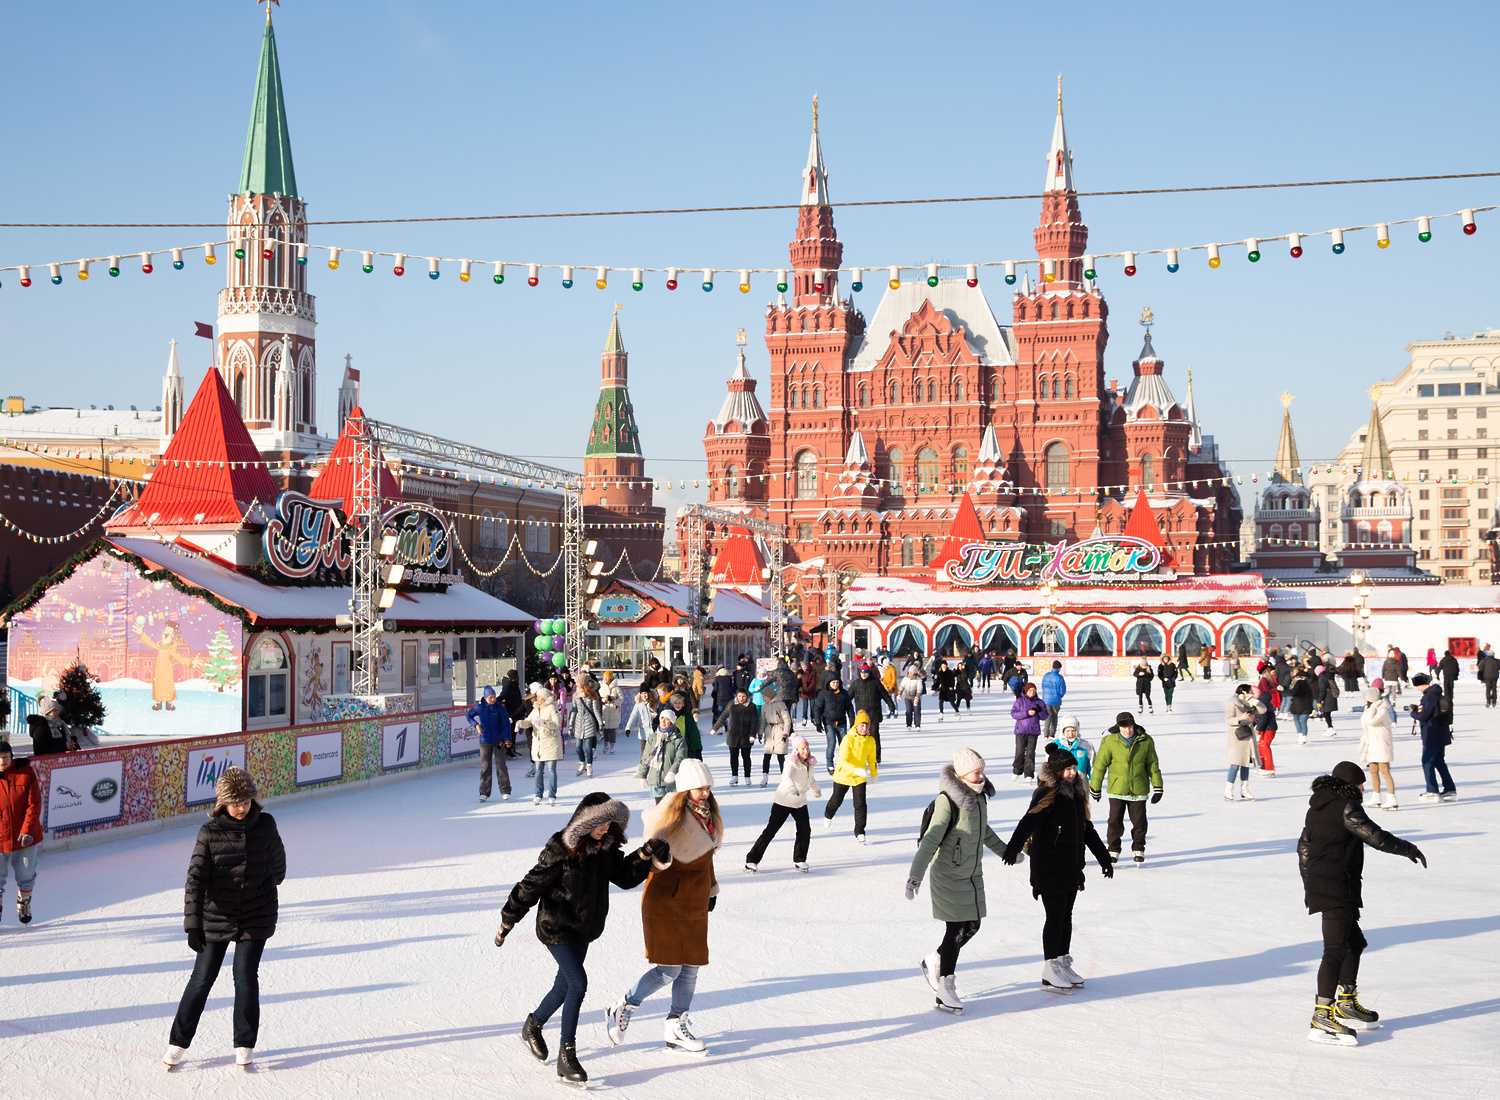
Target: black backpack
[{"x": 927, "y": 819}]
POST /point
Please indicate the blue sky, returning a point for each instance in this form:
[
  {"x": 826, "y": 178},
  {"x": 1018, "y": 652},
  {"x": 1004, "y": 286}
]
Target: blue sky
[{"x": 138, "y": 113}]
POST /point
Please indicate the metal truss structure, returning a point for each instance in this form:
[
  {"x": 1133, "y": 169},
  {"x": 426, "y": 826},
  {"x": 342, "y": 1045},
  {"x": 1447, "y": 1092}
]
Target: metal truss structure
[{"x": 695, "y": 519}]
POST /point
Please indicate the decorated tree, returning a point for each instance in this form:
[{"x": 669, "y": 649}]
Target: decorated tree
[
  {"x": 79, "y": 704},
  {"x": 222, "y": 667},
  {"x": 312, "y": 679}
]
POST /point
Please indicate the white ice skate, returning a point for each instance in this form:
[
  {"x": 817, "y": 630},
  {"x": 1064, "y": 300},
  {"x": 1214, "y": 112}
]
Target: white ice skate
[
  {"x": 173, "y": 1057},
  {"x": 763, "y": 781},
  {"x": 484, "y": 798},
  {"x": 947, "y": 998},
  {"x": 1054, "y": 979},
  {"x": 1228, "y": 792},
  {"x": 801, "y": 867},
  {"x": 244, "y": 1057},
  {"x": 1388, "y": 801},
  {"x": 1065, "y": 968},
  {"x": 1427, "y": 796},
  {"x": 580, "y": 769},
  {"x": 828, "y": 822},
  {"x": 1448, "y": 796},
  {"x": 537, "y": 800},
  {"x": 679, "y": 1036},
  {"x": 1245, "y": 795},
  {"x": 751, "y": 867},
  {"x": 588, "y": 770},
  {"x": 860, "y": 837},
  {"x": 616, "y": 1020},
  {"x": 930, "y": 966},
  {"x": 734, "y": 781}
]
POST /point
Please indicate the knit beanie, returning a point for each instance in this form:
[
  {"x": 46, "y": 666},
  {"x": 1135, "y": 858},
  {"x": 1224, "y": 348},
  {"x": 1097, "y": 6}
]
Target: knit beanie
[
  {"x": 1060, "y": 759},
  {"x": 965, "y": 761},
  {"x": 5, "y": 749},
  {"x": 234, "y": 785},
  {"x": 1348, "y": 771},
  {"x": 1067, "y": 722},
  {"x": 692, "y": 774},
  {"x": 1378, "y": 684}
]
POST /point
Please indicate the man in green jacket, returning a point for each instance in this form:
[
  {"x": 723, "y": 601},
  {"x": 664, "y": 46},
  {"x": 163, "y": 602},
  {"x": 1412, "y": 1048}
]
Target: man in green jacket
[{"x": 1127, "y": 756}]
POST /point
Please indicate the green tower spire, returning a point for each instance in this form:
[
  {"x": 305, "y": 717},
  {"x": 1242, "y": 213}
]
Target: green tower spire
[
  {"x": 614, "y": 430},
  {"x": 268, "y": 146}
]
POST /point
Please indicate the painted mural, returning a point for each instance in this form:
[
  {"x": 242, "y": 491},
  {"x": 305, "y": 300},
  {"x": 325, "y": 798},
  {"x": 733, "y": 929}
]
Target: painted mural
[{"x": 168, "y": 663}]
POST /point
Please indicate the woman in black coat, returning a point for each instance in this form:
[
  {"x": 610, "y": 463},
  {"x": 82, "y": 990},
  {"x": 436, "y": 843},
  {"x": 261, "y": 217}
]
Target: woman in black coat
[
  {"x": 232, "y": 877},
  {"x": 1301, "y": 702},
  {"x": 569, "y": 886},
  {"x": 1055, "y": 831}
]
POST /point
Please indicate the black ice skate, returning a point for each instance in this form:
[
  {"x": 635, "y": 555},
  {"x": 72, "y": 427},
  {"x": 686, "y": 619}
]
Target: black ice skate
[
  {"x": 1351, "y": 1013},
  {"x": 568, "y": 1068},
  {"x": 531, "y": 1035},
  {"x": 1326, "y": 1028}
]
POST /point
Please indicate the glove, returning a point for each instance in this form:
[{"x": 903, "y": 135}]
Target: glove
[
  {"x": 1011, "y": 858},
  {"x": 656, "y": 849},
  {"x": 712, "y": 902},
  {"x": 1107, "y": 869},
  {"x": 1096, "y": 795},
  {"x": 25, "y": 840},
  {"x": 500, "y": 934},
  {"x": 195, "y": 940},
  {"x": 1156, "y": 796},
  {"x": 1415, "y": 855},
  {"x": 912, "y": 886}
]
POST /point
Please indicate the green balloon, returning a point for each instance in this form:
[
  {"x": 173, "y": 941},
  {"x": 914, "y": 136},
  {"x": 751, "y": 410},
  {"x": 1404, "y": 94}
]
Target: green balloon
[
  {"x": 541, "y": 644},
  {"x": 546, "y": 626},
  {"x": 559, "y": 626},
  {"x": 559, "y": 660}
]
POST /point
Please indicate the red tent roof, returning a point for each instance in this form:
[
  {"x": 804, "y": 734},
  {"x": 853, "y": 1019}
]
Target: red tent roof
[
  {"x": 1142, "y": 525},
  {"x": 739, "y": 560},
  {"x": 966, "y": 528},
  {"x": 211, "y": 471},
  {"x": 336, "y": 480}
]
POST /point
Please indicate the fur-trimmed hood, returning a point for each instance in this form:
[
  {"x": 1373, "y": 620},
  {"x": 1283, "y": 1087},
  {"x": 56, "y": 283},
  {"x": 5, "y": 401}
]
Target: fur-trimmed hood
[
  {"x": 1328, "y": 788},
  {"x": 1046, "y": 777},
  {"x": 687, "y": 840},
  {"x": 593, "y": 811},
  {"x": 964, "y": 796}
]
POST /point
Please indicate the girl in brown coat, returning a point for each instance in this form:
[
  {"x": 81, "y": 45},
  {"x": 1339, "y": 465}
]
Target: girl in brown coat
[{"x": 679, "y": 896}]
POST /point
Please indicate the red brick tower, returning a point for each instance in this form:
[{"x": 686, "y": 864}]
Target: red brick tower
[
  {"x": 737, "y": 444},
  {"x": 614, "y": 470}
]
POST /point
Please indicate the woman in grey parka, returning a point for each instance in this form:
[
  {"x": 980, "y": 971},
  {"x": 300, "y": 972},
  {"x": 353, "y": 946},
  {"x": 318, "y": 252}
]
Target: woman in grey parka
[{"x": 952, "y": 844}]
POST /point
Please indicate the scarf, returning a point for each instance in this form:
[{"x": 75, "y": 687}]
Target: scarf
[{"x": 703, "y": 811}]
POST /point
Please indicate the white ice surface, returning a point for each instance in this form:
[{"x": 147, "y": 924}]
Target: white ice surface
[{"x": 382, "y": 979}]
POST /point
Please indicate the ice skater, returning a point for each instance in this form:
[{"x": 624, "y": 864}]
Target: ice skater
[
  {"x": 586, "y": 723},
  {"x": 544, "y": 736},
  {"x": 1055, "y": 830},
  {"x": 679, "y": 896},
  {"x": 20, "y": 829},
  {"x": 569, "y": 887},
  {"x": 1166, "y": 675},
  {"x": 662, "y": 754},
  {"x": 1071, "y": 741},
  {"x": 236, "y": 866},
  {"x": 1127, "y": 759},
  {"x": 740, "y": 722},
  {"x": 609, "y": 702},
  {"x": 1143, "y": 677},
  {"x": 955, "y": 832},
  {"x": 775, "y": 728},
  {"x": 798, "y": 783},
  {"x": 1029, "y": 713},
  {"x": 489, "y": 717},
  {"x": 855, "y": 770},
  {"x": 1240, "y": 715},
  {"x": 1377, "y": 741},
  {"x": 1331, "y": 855}
]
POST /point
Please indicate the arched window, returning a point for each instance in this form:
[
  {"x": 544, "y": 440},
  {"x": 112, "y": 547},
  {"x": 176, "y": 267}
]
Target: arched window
[
  {"x": 1362, "y": 531},
  {"x": 307, "y": 398},
  {"x": 1243, "y": 640},
  {"x": 1275, "y": 531},
  {"x": 1055, "y": 461},
  {"x": 1095, "y": 639},
  {"x": 960, "y": 464},
  {"x": 927, "y": 470},
  {"x": 897, "y": 464},
  {"x": 1294, "y": 532},
  {"x": 1068, "y": 388},
  {"x": 731, "y": 481},
  {"x": 266, "y": 681},
  {"x": 864, "y": 395},
  {"x": 1041, "y": 389},
  {"x": 1385, "y": 531},
  {"x": 1148, "y": 472},
  {"x": 931, "y": 391},
  {"x": 239, "y": 393},
  {"x": 818, "y": 396},
  {"x": 895, "y": 393},
  {"x": 929, "y": 549},
  {"x": 908, "y": 551},
  {"x": 807, "y": 474},
  {"x": 1054, "y": 388},
  {"x": 958, "y": 389}
]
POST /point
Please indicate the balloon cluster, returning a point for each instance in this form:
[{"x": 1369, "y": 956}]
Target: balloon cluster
[{"x": 551, "y": 638}]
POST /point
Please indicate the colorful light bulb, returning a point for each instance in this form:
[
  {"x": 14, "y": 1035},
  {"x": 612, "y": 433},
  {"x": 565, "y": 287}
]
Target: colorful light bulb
[
  {"x": 533, "y": 274},
  {"x": 932, "y": 275},
  {"x": 671, "y": 278},
  {"x": 1337, "y": 237},
  {"x": 1424, "y": 229},
  {"x": 971, "y": 275},
  {"x": 708, "y": 279},
  {"x": 1049, "y": 271},
  {"x": 239, "y": 253},
  {"x": 114, "y": 267},
  {"x": 636, "y": 280},
  {"x": 1129, "y": 258},
  {"x": 398, "y": 267},
  {"x": 499, "y": 274},
  {"x": 1174, "y": 261},
  {"x": 147, "y": 267},
  {"x": 1213, "y": 256},
  {"x": 1010, "y": 272},
  {"x": 210, "y": 257},
  {"x": 1382, "y": 235},
  {"x": 176, "y": 259},
  {"x": 433, "y": 272},
  {"x": 1466, "y": 219},
  {"x": 54, "y": 272},
  {"x": 856, "y": 279},
  {"x": 893, "y": 278},
  {"x": 819, "y": 281},
  {"x": 567, "y": 277},
  {"x": 744, "y": 281},
  {"x": 266, "y": 251},
  {"x": 1088, "y": 268},
  {"x": 1294, "y": 245},
  {"x": 333, "y": 259},
  {"x": 83, "y": 271},
  {"x": 25, "y": 273},
  {"x": 301, "y": 254},
  {"x": 781, "y": 283},
  {"x": 367, "y": 262},
  {"x": 601, "y": 278}
]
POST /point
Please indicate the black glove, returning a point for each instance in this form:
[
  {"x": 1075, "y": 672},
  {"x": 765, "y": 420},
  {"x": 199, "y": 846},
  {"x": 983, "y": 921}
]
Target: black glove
[
  {"x": 1011, "y": 858},
  {"x": 501, "y": 933},
  {"x": 195, "y": 940},
  {"x": 712, "y": 902},
  {"x": 1097, "y": 795},
  {"x": 1414, "y": 854},
  {"x": 1107, "y": 868},
  {"x": 1155, "y": 796},
  {"x": 656, "y": 849}
]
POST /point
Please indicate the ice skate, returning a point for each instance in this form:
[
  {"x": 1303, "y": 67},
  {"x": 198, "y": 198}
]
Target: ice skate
[
  {"x": 801, "y": 867},
  {"x": 1268, "y": 774},
  {"x": 552, "y": 801},
  {"x": 588, "y": 770},
  {"x": 947, "y": 998},
  {"x": 531, "y": 1035},
  {"x": 1446, "y": 796},
  {"x": 23, "y": 907},
  {"x": 734, "y": 781},
  {"x": 1138, "y": 855},
  {"x": 859, "y": 837},
  {"x": 828, "y": 823},
  {"x": 751, "y": 867},
  {"x": 484, "y": 798},
  {"x": 504, "y": 796},
  {"x": 568, "y": 1068},
  {"x": 617, "y": 1020},
  {"x": 1065, "y": 967},
  {"x": 580, "y": 769},
  {"x": 930, "y": 966},
  {"x": 1302, "y": 739},
  {"x": 244, "y": 1057},
  {"x": 1228, "y": 792},
  {"x": 1018, "y": 779},
  {"x": 1349, "y": 1012},
  {"x": 537, "y": 800},
  {"x": 173, "y": 1057},
  {"x": 1053, "y": 978},
  {"x": 763, "y": 781},
  {"x": 678, "y": 1034},
  {"x": 1326, "y": 1028},
  {"x": 1114, "y": 855},
  {"x": 1427, "y": 796},
  {"x": 1245, "y": 795}
]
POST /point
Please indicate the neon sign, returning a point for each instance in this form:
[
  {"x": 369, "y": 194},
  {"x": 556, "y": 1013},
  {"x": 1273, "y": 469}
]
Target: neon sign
[
  {"x": 310, "y": 538},
  {"x": 1108, "y": 558}
]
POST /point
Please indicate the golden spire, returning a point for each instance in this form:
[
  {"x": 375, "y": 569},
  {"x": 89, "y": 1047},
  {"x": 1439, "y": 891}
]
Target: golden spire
[{"x": 268, "y": 4}]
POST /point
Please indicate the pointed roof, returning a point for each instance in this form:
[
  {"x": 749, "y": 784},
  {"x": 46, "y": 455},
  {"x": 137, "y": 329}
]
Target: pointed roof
[
  {"x": 1195, "y": 433},
  {"x": 741, "y": 406},
  {"x": 1059, "y": 156},
  {"x": 739, "y": 560},
  {"x": 989, "y": 447},
  {"x": 1147, "y": 351},
  {"x": 857, "y": 455},
  {"x": 1288, "y": 464},
  {"x": 965, "y": 529},
  {"x": 815, "y": 174},
  {"x": 335, "y": 481},
  {"x": 267, "y": 167},
  {"x": 613, "y": 344},
  {"x": 174, "y": 368},
  {"x": 1375, "y": 461},
  {"x": 198, "y": 479},
  {"x": 1142, "y": 525}
]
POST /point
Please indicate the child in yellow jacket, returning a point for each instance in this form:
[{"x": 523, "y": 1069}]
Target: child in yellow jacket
[{"x": 853, "y": 769}]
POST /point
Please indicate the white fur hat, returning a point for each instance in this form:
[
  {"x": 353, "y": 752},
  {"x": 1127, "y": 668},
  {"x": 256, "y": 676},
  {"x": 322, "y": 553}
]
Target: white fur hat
[
  {"x": 692, "y": 774},
  {"x": 1068, "y": 722}
]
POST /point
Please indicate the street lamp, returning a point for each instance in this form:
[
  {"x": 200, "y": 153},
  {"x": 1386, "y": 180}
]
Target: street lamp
[{"x": 1360, "y": 624}]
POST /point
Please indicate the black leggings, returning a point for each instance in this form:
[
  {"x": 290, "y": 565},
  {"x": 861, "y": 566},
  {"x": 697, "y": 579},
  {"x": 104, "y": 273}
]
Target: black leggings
[
  {"x": 765, "y": 764},
  {"x": 1342, "y": 944},
  {"x": 736, "y": 756},
  {"x": 1143, "y": 696},
  {"x": 1057, "y": 931},
  {"x": 839, "y": 790},
  {"x": 958, "y": 933},
  {"x": 247, "y": 955},
  {"x": 779, "y": 814},
  {"x": 568, "y": 988}
]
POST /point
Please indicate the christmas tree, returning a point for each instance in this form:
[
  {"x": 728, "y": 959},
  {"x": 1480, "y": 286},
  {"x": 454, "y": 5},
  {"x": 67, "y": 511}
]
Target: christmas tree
[
  {"x": 312, "y": 680},
  {"x": 80, "y": 704},
  {"x": 222, "y": 668}
]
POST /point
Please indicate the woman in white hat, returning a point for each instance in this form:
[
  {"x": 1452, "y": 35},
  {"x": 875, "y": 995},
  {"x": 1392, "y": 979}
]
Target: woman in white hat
[{"x": 545, "y": 740}]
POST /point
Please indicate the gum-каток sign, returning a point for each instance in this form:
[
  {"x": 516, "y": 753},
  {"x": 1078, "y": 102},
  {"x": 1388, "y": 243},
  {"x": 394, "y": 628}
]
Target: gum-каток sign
[
  {"x": 85, "y": 794},
  {"x": 1110, "y": 558},
  {"x": 320, "y": 757},
  {"x": 401, "y": 745},
  {"x": 204, "y": 766},
  {"x": 463, "y": 737}
]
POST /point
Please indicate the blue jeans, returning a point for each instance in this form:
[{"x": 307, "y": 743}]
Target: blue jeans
[
  {"x": 806, "y": 709},
  {"x": 546, "y": 773},
  {"x": 832, "y": 735},
  {"x": 568, "y": 988},
  {"x": 586, "y": 747},
  {"x": 684, "y": 981},
  {"x": 24, "y": 862},
  {"x": 1300, "y": 722},
  {"x": 1434, "y": 765},
  {"x": 1237, "y": 771}
]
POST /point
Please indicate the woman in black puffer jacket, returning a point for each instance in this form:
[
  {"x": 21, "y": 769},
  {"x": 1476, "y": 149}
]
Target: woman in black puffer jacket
[
  {"x": 230, "y": 898},
  {"x": 570, "y": 888}
]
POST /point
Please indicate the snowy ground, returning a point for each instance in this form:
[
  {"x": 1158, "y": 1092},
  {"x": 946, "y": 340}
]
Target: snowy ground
[{"x": 382, "y": 977}]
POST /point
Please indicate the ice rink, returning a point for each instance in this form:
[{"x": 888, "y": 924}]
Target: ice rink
[{"x": 382, "y": 979}]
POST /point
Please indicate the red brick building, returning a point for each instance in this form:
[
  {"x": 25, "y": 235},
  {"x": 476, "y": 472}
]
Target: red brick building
[{"x": 877, "y": 428}]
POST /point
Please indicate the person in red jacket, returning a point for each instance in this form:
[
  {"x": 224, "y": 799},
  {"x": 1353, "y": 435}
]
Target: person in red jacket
[{"x": 20, "y": 828}]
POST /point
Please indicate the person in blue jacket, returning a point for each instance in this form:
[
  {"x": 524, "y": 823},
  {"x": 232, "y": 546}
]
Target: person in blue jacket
[
  {"x": 1070, "y": 741},
  {"x": 1054, "y": 687},
  {"x": 495, "y": 739}
]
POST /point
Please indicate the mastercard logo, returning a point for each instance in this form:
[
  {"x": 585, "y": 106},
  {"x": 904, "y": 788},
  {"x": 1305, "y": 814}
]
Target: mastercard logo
[{"x": 305, "y": 759}]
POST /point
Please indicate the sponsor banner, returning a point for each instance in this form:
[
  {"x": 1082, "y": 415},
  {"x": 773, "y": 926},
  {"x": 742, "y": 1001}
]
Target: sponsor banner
[
  {"x": 401, "y": 745},
  {"x": 463, "y": 737},
  {"x": 320, "y": 757},
  {"x": 1080, "y": 666},
  {"x": 204, "y": 766},
  {"x": 86, "y": 794}
]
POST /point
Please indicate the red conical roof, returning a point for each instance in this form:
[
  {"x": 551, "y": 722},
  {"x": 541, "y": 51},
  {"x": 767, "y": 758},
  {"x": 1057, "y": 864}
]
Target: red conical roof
[
  {"x": 966, "y": 528},
  {"x": 1142, "y": 525},
  {"x": 336, "y": 480},
  {"x": 739, "y": 559},
  {"x": 211, "y": 471}
]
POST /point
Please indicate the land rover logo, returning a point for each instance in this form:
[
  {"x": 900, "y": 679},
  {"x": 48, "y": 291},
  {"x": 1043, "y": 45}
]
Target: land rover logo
[{"x": 104, "y": 790}]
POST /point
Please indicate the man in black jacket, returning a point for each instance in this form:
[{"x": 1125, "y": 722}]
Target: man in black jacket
[
  {"x": 868, "y": 694},
  {"x": 1434, "y": 715},
  {"x": 786, "y": 682},
  {"x": 1448, "y": 669},
  {"x": 1331, "y": 855},
  {"x": 832, "y": 712},
  {"x": 1489, "y": 674}
]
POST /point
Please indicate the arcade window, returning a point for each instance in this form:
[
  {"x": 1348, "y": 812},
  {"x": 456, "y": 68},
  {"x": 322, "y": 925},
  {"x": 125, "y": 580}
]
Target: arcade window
[
  {"x": 1422, "y": 433},
  {"x": 807, "y": 475},
  {"x": 1055, "y": 462},
  {"x": 927, "y": 470},
  {"x": 960, "y": 462},
  {"x": 896, "y": 463}
]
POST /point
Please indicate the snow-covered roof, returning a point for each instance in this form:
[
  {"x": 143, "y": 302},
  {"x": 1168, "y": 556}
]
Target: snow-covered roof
[
  {"x": 731, "y": 608},
  {"x": 1421, "y": 598},
  {"x": 964, "y": 305},
  {"x": 292, "y": 605},
  {"x": 874, "y": 595},
  {"x": 85, "y": 423}
]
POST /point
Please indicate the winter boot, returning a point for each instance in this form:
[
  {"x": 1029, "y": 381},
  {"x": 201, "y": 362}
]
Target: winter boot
[
  {"x": 1065, "y": 967},
  {"x": 1053, "y": 978},
  {"x": 678, "y": 1034},
  {"x": 1327, "y": 1029},
  {"x": 947, "y": 998},
  {"x": 616, "y": 1020},
  {"x": 1245, "y": 795},
  {"x": 1228, "y": 792},
  {"x": 763, "y": 781},
  {"x": 23, "y": 906},
  {"x": 930, "y": 965},
  {"x": 531, "y": 1035},
  {"x": 1351, "y": 1013},
  {"x": 1139, "y": 855},
  {"x": 567, "y": 1065},
  {"x": 1114, "y": 855},
  {"x": 173, "y": 1057},
  {"x": 580, "y": 769},
  {"x": 244, "y": 1057},
  {"x": 588, "y": 770}
]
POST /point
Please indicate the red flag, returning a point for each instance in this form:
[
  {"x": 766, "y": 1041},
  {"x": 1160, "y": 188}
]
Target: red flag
[{"x": 205, "y": 331}]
